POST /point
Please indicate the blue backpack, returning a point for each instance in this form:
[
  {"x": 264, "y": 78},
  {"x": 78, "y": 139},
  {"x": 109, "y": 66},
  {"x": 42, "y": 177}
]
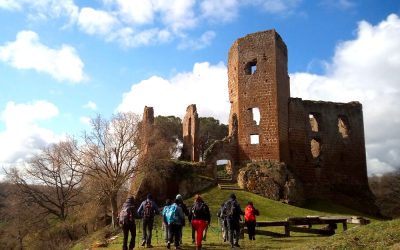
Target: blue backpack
[{"x": 169, "y": 213}]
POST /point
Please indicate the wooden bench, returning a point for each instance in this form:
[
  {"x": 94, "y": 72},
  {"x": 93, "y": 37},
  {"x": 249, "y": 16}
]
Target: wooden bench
[{"x": 304, "y": 225}]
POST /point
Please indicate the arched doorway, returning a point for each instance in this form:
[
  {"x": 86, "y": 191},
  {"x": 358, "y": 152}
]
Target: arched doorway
[{"x": 224, "y": 169}]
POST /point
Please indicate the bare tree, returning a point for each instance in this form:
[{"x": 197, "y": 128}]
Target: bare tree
[
  {"x": 51, "y": 179},
  {"x": 110, "y": 153}
]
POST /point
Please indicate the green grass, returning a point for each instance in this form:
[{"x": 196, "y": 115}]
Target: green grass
[
  {"x": 377, "y": 235},
  {"x": 269, "y": 211}
]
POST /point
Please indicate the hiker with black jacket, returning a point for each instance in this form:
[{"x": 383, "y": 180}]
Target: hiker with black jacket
[
  {"x": 127, "y": 221},
  {"x": 200, "y": 217},
  {"x": 232, "y": 213},
  {"x": 147, "y": 209}
]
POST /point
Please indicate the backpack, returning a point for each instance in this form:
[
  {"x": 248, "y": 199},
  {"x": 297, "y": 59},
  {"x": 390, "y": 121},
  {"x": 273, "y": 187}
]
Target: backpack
[
  {"x": 126, "y": 215},
  {"x": 230, "y": 210},
  {"x": 148, "y": 210},
  {"x": 250, "y": 213},
  {"x": 169, "y": 214}
]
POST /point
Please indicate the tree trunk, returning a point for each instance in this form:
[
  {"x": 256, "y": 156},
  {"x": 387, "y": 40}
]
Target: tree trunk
[{"x": 114, "y": 209}]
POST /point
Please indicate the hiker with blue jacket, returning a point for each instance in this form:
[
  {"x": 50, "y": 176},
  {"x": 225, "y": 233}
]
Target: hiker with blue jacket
[
  {"x": 185, "y": 210},
  {"x": 127, "y": 221},
  {"x": 147, "y": 209},
  {"x": 232, "y": 213},
  {"x": 173, "y": 217}
]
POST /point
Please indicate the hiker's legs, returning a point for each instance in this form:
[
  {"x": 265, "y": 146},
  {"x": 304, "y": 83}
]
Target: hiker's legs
[
  {"x": 125, "y": 230},
  {"x": 132, "y": 229},
  {"x": 193, "y": 233},
  {"x": 166, "y": 231},
  {"x": 175, "y": 233},
  {"x": 180, "y": 234},
  {"x": 236, "y": 229},
  {"x": 205, "y": 233},
  {"x": 170, "y": 233},
  {"x": 150, "y": 231},
  {"x": 199, "y": 226},
  {"x": 147, "y": 231},
  {"x": 230, "y": 231},
  {"x": 251, "y": 228},
  {"x": 144, "y": 231}
]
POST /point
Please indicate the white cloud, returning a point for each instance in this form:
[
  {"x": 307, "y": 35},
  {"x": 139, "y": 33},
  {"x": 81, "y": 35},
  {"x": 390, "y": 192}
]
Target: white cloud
[
  {"x": 22, "y": 136},
  {"x": 27, "y": 52},
  {"x": 96, "y": 22},
  {"x": 128, "y": 38},
  {"x": 10, "y": 5},
  {"x": 172, "y": 96},
  {"x": 280, "y": 7},
  {"x": 134, "y": 23},
  {"x": 136, "y": 11},
  {"x": 220, "y": 10},
  {"x": 366, "y": 69},
  {"x": 90, "y": 105},
  {"x": 43, "y": 9},
  {"x": 204, "y": 41},
  {"x": 178, "y": 15},
  {"x": 341, "y": 4}
]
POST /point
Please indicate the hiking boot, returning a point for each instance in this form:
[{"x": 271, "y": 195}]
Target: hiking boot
[
  {"x": 237, "y": 245},
  {"x": 232, "y": 246},
  {"x": 149, "y": 246},
  {"x": 143, "y": 243},
  {"x": 168, "y": 245}
]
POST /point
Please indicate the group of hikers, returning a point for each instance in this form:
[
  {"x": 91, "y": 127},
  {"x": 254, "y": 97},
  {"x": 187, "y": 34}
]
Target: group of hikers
[{"x": 173, "y": 218}]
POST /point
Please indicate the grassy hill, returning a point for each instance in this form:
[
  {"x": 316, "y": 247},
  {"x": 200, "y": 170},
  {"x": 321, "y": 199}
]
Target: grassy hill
[{"x": 377, "y": 234}]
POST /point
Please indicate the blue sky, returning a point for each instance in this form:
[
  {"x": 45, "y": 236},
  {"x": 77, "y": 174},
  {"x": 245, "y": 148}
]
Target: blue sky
[{"x": 63, "y": 62}]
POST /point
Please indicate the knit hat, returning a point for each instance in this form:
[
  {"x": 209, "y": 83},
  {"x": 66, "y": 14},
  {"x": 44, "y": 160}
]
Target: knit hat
[
  {"x": 178, "y": 197},
  {"x": 232, "y": 196}
]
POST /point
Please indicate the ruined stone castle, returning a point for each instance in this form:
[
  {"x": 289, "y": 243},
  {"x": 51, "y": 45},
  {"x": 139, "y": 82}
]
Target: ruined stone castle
[{"x": 321, "y": 142}]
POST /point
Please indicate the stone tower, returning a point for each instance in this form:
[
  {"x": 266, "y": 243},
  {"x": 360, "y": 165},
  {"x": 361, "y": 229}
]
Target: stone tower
[
  {"x": 190, "y": 128},
  {"x": 259, "y": 92}
]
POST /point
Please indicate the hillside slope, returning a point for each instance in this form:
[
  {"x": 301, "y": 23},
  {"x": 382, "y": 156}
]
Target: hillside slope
[{"x": 269, "y": 211}]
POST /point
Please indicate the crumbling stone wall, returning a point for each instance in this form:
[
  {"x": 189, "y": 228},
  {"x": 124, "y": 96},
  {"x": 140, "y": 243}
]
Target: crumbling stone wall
[
  {"x": 327, "y": 147},
  {"x": 190, "y": 123}
]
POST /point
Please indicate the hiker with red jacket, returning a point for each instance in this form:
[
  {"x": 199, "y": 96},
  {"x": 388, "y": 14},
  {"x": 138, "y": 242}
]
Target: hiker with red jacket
[
  {"x": 200, "y": 218},
  {"x": 127, "y": 221},
  {"x": 147, "y": 210},
  {"x": 250, "y": 213}
]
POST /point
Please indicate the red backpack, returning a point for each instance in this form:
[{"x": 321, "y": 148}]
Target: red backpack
[{"x": 250, "y": 213}]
